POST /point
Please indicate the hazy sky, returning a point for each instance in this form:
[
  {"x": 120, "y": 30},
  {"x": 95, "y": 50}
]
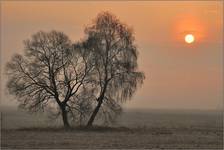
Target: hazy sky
[{"x": 178, "y": 75}]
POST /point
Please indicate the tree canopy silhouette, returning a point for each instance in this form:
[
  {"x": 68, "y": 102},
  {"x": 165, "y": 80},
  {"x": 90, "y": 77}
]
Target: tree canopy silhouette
[
  {"x": 77, "y": 80},
  {"x": 115, "y": 58},
  {"x": 53, "y": 71}
]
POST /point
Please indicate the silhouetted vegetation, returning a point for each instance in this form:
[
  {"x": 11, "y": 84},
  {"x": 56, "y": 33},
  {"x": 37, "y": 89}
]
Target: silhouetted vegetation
[
  {"x": 115, "y": 58},
  {"x": 77, "y": 81}
]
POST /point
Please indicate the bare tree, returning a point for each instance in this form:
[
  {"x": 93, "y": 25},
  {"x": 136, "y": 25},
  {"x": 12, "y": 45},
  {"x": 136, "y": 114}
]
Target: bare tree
[
  {"x": 111, "y": 43},
  {"x": 53, "y": 72}
]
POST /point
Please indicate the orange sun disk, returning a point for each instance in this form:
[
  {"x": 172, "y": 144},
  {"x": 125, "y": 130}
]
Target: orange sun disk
[{"x": 189, "y": 38}]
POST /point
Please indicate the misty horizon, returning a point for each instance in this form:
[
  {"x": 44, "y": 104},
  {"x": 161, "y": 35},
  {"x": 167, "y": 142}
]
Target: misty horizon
[
  {"x": 111, "y": 75},
  {"x": 177, "y": 75}
]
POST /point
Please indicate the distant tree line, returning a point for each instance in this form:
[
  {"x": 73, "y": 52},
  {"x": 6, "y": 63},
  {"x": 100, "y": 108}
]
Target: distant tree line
[{"x": 81, "y": 81}]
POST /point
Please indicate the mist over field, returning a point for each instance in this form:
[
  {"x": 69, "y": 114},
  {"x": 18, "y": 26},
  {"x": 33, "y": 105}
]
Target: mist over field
[
  {"x": 14, "y": 118},
  {"x": 111, "y": 75},
  {"x": 135, "y": 128}
]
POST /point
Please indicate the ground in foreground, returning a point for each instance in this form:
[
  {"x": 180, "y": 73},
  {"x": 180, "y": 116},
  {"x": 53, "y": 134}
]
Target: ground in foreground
[{"x": 120, "y": 137}]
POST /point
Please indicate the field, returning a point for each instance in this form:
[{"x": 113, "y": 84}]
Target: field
[{"x": 135, "y": 129}]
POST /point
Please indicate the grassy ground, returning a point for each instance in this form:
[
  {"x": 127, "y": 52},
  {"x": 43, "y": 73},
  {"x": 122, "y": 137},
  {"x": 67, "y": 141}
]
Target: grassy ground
[
  {"x": 134, "y": 130},
  {"x": 103, "y": 138}
]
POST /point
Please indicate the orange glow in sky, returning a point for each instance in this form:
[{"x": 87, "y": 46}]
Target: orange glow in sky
[
  {"x": 178, "y": 75},
  {"x": 189, "y": 24}
]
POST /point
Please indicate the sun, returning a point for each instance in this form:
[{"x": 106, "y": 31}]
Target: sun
[{"x": 189, "y": 38}]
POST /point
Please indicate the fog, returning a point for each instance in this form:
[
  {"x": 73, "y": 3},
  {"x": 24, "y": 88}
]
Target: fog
[{"x": 178, "y": 76}]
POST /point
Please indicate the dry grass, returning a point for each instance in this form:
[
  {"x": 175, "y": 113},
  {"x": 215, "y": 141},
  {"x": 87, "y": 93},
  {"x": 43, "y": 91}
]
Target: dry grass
[
  {"x": 108, "y": 137},
  {"x": 134, "y": 130},
  {"x": 78, "y": 129}
]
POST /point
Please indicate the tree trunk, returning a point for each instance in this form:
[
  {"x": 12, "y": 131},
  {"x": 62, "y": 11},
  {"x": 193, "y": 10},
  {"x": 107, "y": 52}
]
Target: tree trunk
[
  {"x": 90, "y": 122},
  {"x": 65, "y": 118},
  {"x": 100, "y": 101}
]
